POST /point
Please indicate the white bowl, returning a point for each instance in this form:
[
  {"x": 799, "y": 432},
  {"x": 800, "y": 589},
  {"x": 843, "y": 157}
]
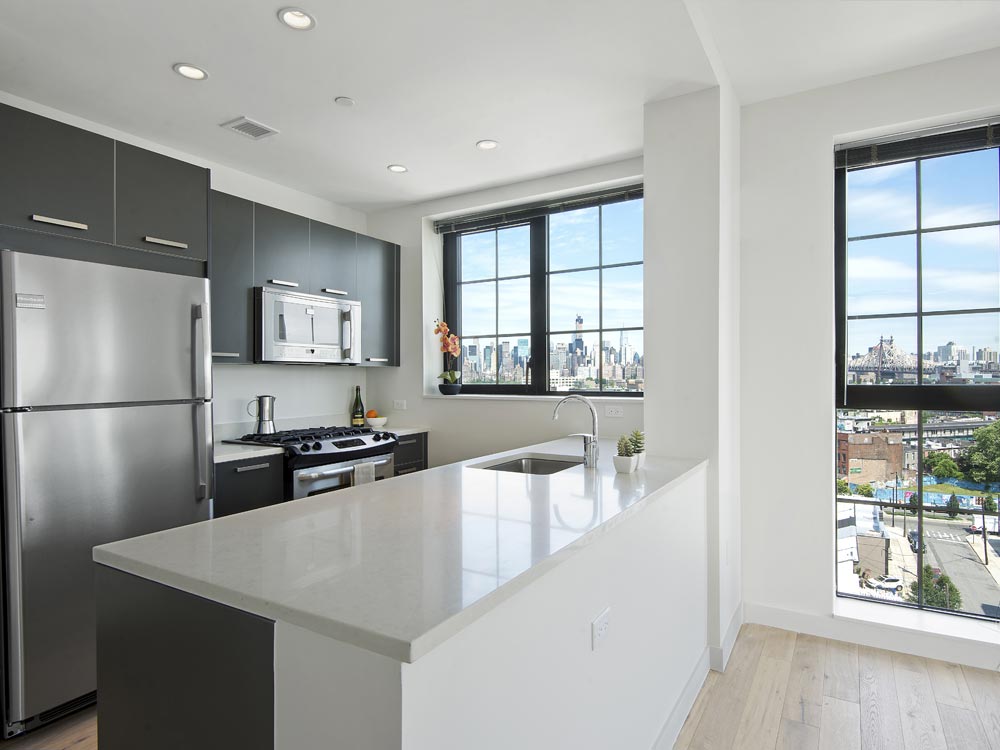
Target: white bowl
[{"x": 377, "y": 422}]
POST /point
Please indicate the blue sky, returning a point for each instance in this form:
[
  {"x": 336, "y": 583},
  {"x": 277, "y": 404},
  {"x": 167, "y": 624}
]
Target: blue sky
[
  {"x": 575, "y": 240},
  {"x": 961, "y": 268}
]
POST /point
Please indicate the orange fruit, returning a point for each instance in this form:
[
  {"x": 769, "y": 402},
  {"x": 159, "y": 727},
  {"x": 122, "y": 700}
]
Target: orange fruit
[{"x": 371, "y": 414}]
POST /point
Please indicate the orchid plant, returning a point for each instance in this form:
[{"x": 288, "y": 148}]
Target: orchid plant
[{"x": 451, "y": 348}]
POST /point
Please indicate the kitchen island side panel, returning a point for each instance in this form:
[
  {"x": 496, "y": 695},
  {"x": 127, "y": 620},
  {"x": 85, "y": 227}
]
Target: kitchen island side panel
[{"x": 178, "y": 671}]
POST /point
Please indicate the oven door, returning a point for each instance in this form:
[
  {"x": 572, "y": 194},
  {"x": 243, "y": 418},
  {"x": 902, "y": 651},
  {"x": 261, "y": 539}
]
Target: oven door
[
  {"x": 302, "y": 328},
  {"x": 316, "y": 480}
]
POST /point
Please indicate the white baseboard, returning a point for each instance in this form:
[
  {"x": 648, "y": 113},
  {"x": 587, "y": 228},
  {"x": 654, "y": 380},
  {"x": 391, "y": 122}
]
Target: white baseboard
[
  {"x": 675, "y": 722},
  {"x": 972, "y": 642},
  {"x": 719, "y": 655}
]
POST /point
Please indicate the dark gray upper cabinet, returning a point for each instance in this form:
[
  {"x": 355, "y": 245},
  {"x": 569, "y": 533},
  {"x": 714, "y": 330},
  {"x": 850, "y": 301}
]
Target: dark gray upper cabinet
[
  {"x": 231, "y": 273},
  {"x": 161, "y": 203},
  {"x": 281, "y": 249},
  {"x": 333, "y": 261},
  {"x": 378, "y": 290},
  {"x": 54, "y": 177}
]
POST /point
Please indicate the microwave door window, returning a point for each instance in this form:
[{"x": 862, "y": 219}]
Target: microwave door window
[
  {"x": 292, "y": 324},
  {"x": 327, "y": 327}
]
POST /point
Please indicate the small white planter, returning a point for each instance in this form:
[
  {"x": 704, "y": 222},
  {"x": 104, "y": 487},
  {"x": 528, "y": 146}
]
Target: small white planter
[
  {"x": 640, "y": 459},
  {"x": 625, "y": 464}
]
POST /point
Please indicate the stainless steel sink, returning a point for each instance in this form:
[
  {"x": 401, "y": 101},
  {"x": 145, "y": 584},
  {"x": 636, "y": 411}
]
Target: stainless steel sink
[{"x": 534, "y": 465}]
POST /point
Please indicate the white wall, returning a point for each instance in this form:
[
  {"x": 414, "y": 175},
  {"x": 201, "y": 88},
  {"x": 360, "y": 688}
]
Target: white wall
[
  {"x": 787, "y": 315},
  {"x": 691, "y": 223},
  {"x": 303, "y": 391},
  {"x": 464, "y": 426}
]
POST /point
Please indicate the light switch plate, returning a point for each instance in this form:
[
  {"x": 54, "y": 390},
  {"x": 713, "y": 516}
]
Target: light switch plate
[
  {"x": 614, "y": 411},
  {"x": 399, "y": 405},
  {"x": 599, "y": 628}
]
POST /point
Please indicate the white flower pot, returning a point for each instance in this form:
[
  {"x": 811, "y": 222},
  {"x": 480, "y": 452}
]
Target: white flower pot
[
  {"x": 625, "y": 464},
  {"x": 640, "y": 459}
]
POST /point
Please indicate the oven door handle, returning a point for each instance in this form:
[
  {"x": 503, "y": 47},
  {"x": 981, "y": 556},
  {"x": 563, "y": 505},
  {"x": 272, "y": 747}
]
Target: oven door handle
[{"x": 335, "y": 472}]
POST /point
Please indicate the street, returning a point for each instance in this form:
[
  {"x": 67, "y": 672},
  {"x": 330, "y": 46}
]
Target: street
[{"x": 948, "y": 550}]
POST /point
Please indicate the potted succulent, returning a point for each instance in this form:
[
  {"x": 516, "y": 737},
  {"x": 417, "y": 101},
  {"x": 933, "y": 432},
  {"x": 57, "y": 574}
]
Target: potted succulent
[
  {"x": 451, "y": 348},
  {"x": 638, "y": 440},
  {"x": 625, "y": 460}
]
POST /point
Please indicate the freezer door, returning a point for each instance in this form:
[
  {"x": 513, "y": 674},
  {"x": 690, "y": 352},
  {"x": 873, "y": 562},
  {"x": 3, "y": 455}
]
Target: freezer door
[
  {"x": 86, "y": 333},
  {"x": 76, "y": 479}
]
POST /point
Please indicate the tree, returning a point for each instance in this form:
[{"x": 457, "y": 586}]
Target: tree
[
  {"x": 946, "y": 468},
  {"x": 939, "y": 591},
  {"x": 866, "y": 490},
  {"x": 953, "y": 506},
  {"x": 990, "y": 505},
  {"x": 983, "y": 458},
  {"x": 911, "y": 504},
  {"x": 843, "y": 488}
]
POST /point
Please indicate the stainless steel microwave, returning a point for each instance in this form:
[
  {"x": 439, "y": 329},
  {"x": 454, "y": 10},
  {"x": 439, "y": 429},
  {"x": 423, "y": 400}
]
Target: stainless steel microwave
[{"x": 294, "y": 327}]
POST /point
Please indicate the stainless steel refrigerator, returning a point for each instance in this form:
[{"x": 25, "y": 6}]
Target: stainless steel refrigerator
[{"x": 107, "y": 434}]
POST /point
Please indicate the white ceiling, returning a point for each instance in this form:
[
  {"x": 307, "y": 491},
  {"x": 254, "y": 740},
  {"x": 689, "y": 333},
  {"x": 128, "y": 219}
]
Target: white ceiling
[
  {"x": 560, "y": 83},
  {"x": 773, "y": 48}
]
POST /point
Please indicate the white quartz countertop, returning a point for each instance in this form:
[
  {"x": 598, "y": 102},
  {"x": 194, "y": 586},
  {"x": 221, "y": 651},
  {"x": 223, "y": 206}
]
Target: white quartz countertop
[{"x": 399, "y": 566}]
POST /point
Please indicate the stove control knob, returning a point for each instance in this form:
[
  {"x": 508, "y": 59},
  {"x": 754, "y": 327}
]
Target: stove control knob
[
  {"x": 376, "y": 437},
  {"x": 317, "y": 446},
  {"x": 305, "y": 447},
  {"x": 388, "y": 436}
]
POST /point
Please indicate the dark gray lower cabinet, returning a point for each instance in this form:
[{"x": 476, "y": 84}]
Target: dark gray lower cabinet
[
  {"x": 178, "y": 671},
  {"x": 411, "y": 454},
  {"x": 378, "y": 290},
  {"x": 249, "y": 484},
  {"x": 231, "y": 273}
]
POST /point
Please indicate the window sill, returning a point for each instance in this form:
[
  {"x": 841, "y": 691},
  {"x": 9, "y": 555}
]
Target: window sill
[
  {"x": 920, "y": 621},
  {"x": 500, "y": 397}
]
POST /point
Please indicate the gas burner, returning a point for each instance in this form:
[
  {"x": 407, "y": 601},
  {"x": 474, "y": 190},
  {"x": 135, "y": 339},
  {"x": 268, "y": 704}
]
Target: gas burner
[{"x": 307, "y": 435}]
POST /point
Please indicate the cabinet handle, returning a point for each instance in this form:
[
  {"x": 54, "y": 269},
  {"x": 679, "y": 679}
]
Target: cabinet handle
[
  {"x": 255, "y": 467},
  {"x": 167, "y": 243},
  {"x": 279, "y": 282},
  {"x": 334, "y": 291},
  {"x": 411, "y": 441},
  {"x": 226, "y": 354},
  {"x": 400, "y": 472},
  {"x": 59, "y": 222},
  {"x": 377, "y": 359}
]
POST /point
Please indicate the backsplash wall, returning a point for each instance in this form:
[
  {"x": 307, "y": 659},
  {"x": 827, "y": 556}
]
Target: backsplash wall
[{"x": 306, "y": 395}]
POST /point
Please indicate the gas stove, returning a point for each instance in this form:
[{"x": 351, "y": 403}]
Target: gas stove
[{"x": 318, "y": 446}]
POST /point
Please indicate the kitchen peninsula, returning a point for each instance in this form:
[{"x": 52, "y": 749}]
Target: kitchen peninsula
[{"x": 457, "y": 607}]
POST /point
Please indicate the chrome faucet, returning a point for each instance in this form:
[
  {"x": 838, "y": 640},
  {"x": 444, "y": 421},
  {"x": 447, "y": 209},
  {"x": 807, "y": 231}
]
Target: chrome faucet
[{"x": 590, "y": 452}]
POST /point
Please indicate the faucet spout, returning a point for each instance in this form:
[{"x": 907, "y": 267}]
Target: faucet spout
[{"x": 590, "y": 446}]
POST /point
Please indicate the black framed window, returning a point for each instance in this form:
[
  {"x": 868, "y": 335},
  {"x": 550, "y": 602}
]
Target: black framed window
[
  {"x": 548, "y": 299},
  {"x": 917, "y": 245}
]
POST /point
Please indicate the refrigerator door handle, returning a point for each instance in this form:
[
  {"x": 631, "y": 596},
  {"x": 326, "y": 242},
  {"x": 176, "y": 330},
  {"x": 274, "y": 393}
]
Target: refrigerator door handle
[
  {"x": 9, "y": 342},
  {"x": 203, "y": 451},
  {"x": 13, "y": 511},
  {"x": 201, "y": 357}
]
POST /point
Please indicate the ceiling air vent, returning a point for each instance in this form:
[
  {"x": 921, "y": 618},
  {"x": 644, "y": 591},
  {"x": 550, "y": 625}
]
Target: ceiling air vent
[{"x": 249, "y": 128}]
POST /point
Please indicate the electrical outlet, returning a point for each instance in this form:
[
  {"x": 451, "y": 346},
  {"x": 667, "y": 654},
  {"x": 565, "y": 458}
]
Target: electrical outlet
[
  {"x": 614, "y": 411},
  {"x": 599, "y": 628},
  {"x": 399, "y": 405}
]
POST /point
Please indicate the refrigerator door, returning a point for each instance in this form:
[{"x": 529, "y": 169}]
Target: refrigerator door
[
  {"x": 86, "y": 333},
  {"x": 76, "y": 479}
]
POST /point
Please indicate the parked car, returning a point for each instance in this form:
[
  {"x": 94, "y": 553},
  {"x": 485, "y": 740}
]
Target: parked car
[{"x": 885, "y": 583}]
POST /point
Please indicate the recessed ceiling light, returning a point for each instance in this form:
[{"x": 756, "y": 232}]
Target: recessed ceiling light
[
  {"x": 397, "y": 168},
  {"x": 486, "y": 145},
  {"x": 190, "y": 71},
  {"x": 296, "y": 18},
  {"x": 344, "y": 101}
]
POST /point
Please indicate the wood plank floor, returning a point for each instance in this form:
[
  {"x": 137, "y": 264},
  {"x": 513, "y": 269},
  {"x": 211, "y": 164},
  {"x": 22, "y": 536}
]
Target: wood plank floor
[
  {"x": 75, "y": 732},
  {"x": 799, "y": 692}
]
